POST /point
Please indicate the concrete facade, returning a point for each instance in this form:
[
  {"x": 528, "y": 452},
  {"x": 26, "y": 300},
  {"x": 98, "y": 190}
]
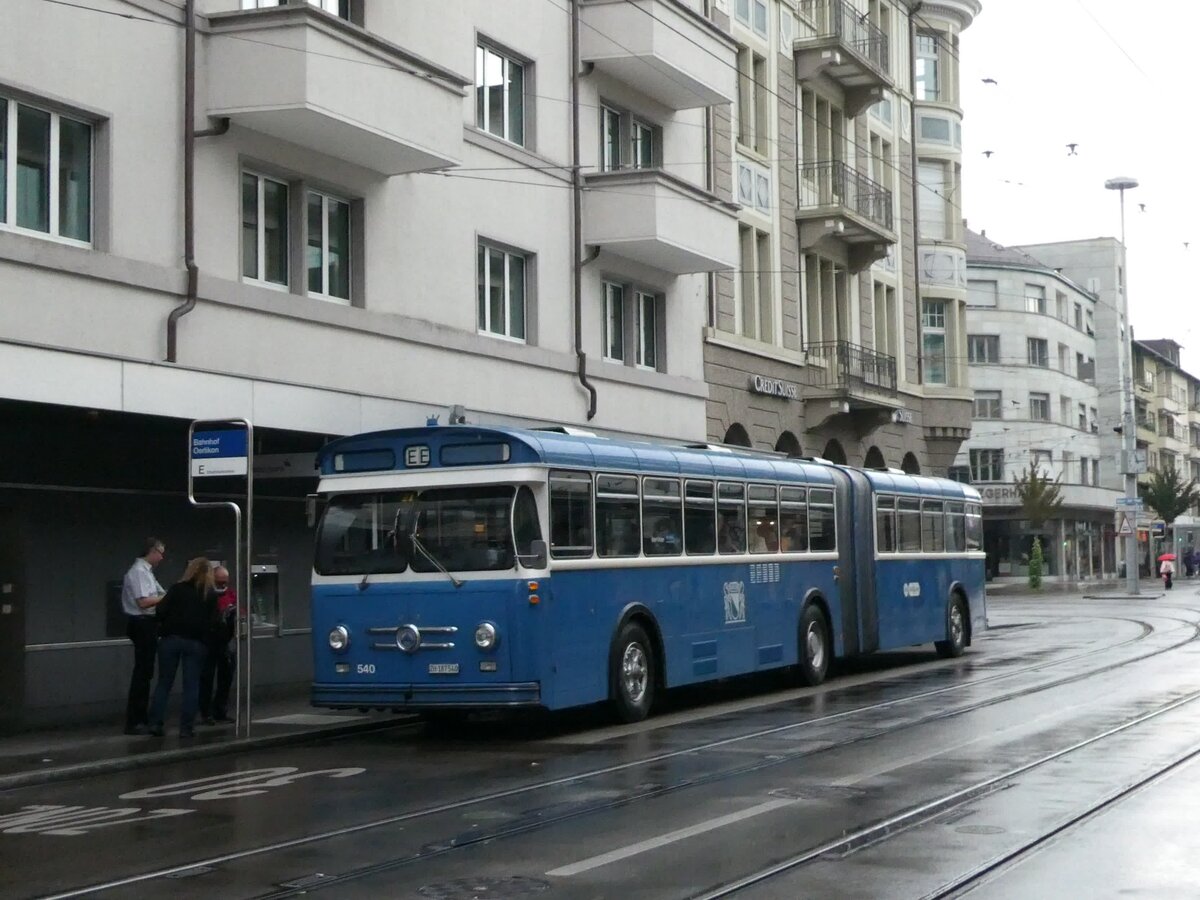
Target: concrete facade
[{"x": 841, "y": 332}]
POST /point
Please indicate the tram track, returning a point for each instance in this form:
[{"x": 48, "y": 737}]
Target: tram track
[
  {"x": 541, "y": 820},
  {"x": 929, "y": 811}
]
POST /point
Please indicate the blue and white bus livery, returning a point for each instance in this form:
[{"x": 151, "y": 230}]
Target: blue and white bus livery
[{"x": 469, "y": 567}]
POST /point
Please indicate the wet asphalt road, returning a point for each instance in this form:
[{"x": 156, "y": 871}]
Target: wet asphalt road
[{"x": 1053, "y": 759}]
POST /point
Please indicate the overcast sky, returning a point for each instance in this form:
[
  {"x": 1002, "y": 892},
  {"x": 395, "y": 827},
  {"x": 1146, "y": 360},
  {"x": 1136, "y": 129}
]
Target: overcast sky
[{"x": 1116, "y": 78}]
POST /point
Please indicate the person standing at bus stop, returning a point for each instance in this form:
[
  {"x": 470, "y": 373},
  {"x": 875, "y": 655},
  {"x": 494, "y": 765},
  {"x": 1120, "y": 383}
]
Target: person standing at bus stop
[
  {"x": 140, "y": 594},
  {"x": 186, "y": 617},
  {"x": 219, "y": 661}
]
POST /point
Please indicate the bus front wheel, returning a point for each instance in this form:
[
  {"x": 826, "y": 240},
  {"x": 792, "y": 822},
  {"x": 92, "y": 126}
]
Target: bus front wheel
[
  {"x": 956, "y": 630},
  {"x": 814, "y": 646},
  {"x": 632, "y": 672}
]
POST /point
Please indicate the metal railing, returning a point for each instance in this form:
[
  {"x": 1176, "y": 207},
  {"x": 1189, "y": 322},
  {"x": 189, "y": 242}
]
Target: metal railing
[
  {"x": 832, "y": 183},
  {"x": 837, "y": 18},
  {"x": 842, "y": 366}
]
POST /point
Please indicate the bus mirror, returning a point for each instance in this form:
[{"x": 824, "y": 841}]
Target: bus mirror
[
  {"x": 312, "y": 509},
  {"x": 536, "y": 558}
]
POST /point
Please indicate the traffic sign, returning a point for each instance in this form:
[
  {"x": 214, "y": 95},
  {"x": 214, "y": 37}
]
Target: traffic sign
[
  {"x": 1129, "y": 503},
  {"x": 1123, "y": 526}
]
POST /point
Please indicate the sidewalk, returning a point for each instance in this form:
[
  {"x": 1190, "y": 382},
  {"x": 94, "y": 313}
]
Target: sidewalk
[{"x": 38, "y": 757}]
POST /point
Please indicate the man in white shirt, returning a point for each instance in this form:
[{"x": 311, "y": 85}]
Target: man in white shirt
[{"x": 140, "y": 593}]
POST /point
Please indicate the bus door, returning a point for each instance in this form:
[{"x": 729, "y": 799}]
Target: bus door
[{"x": 847, "y": 490}]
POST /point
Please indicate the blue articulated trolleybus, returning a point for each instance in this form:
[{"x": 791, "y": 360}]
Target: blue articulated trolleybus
[{"x": 465, "y": 567}]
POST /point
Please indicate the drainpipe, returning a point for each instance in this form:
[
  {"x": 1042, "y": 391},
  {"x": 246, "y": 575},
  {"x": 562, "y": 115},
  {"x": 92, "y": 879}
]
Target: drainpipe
[
  {"x": 577, "y": 262},
  {"x": 916, "y": 189},
  {"x": 189, "y": 164}
]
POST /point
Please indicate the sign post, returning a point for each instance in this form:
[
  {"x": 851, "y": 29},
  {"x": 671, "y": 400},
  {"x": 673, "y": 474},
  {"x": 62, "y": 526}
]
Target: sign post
[{"x": 224, "y": 448}]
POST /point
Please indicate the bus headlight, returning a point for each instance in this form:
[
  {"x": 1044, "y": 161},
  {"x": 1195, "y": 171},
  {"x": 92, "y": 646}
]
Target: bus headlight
[
  {"x": 339, "y": 638},
  {"x": 485, "y": 636}
]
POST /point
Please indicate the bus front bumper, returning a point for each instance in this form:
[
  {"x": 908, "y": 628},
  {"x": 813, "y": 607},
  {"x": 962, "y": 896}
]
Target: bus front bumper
[{"x": 407, "y": 696}]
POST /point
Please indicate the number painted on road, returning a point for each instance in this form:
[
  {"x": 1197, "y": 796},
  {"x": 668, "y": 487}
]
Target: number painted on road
[
  {"x": 241, "y": 784},
  {"x": 366, "y": 668},
  {"x": 72, "y": 821}
]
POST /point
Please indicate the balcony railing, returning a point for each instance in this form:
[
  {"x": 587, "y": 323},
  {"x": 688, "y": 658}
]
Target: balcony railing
[
  {"x": 835, "y": 184},
  {"x": 1148, "y": 424},
  {"x": 849, "y": 368},
  {"x": 837, "y": 18}
]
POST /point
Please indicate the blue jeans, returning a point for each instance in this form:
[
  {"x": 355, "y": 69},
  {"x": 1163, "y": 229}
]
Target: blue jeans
[{"x": 172, "y": 649}]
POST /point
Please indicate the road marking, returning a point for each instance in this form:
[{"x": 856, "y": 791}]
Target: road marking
[
  {"x": 671, "y": 837},
  {"x": 308, "y": 719}
]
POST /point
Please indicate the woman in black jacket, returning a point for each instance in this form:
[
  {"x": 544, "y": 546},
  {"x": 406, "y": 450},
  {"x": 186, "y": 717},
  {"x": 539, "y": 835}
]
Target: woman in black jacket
[{"x": 185, "y": 618}]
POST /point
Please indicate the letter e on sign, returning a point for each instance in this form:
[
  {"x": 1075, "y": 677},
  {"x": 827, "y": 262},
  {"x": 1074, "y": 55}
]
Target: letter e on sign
[{"x": 417, "y": 456}]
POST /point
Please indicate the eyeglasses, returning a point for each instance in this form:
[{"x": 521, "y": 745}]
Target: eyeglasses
[{"x": 222, "y": 584}]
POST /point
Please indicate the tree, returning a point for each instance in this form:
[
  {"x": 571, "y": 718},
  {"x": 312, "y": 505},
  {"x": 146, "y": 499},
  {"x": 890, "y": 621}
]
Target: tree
[
  {"x": 1041, "y": 498},
  {"x": 1035, "y": 565},
  {"x": 1168, "y": 495}
]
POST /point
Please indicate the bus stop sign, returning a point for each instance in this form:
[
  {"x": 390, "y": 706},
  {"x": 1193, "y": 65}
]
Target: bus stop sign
[{"x": 219, "y": 453}]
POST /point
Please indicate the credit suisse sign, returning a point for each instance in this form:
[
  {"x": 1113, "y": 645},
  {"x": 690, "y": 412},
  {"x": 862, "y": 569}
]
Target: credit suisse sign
[{"x": 773, "y": 387}]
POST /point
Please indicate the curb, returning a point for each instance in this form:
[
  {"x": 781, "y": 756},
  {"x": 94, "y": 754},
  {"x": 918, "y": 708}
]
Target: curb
[{"x": 179, "y": 754}]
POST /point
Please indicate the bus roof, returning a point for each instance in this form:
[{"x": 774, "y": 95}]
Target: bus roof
[{"x": 393, "y": 450}]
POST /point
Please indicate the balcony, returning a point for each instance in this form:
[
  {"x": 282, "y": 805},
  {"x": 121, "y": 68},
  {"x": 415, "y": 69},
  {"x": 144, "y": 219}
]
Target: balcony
[
  {"x": 844, "y": 214},
  {"x": 658, "y": 220},
  {"x": 1148, "y": 424},
  {"x": 834, "y": 39},
  {"x": 856, "y": 379},
  {"x": 661, "y": 49},
  {"x": 304, "y": 76}
]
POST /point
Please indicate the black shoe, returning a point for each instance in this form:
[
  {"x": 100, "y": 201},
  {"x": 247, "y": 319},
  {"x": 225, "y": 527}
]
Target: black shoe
[
  {"x": 136, "y": 729},
  {"x": 187, "y": 734},
  {"x": 156, "y": 730}
]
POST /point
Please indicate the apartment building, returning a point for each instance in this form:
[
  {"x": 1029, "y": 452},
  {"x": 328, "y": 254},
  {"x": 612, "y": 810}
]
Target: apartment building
[
  {"x": 401, "y": 211},
  {"x": 841, "y": 334},
  {"x": 1033, "y": 345}
]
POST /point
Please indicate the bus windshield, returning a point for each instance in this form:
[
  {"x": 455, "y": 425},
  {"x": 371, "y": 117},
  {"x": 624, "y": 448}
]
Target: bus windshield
[{"x": 465, "y": 529}]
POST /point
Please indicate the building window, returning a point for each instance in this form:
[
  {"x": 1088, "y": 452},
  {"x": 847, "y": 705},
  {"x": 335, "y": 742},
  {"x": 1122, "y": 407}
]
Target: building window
[
  {"x": 45, "y": 172},
  {"x": 501, "y": 292},
  {"x": 753, "y": 120},
  {"x": 1035, "y": 298},
  {"x": 987, "y": 405},
  {"x": 987, "y": 465},
  {"x": 982, "y": 293},
  {"x": 933, "y": 337},
  {"x": 499, "y": 95},
  {"x": 755, "y": 306},
  {"x": 610, "y": 139},
  {"x": 927, "y": 86},
  {"x": 1082, "y": 417},
  {"x": 1040, "y": 461},
  {"x": 647, "y": 330},
  {"x": 1039, "y": 352},
  {"x": 1039, "y": 407},
  {"x": 264, "y": 229},
  {"x": 642, "y": 138},
  {"x": 328, "y": 251},
  {"x": 339, "y": 8},
  {"x": 627, "y": 142},
  {"x": 934, "y": 217},
  {"x": 614, "y": 322},
  {"x": 1079, "y": 316},
  {"x": 960, "y": 473},
  {"x": 983, "y": 348},
  {"x": 1096, "y": 472},
  {"x": 752, "y": 14}
]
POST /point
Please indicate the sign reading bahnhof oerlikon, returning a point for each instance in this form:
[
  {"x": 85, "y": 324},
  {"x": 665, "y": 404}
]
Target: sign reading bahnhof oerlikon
[{"x": 218, "y": 453}]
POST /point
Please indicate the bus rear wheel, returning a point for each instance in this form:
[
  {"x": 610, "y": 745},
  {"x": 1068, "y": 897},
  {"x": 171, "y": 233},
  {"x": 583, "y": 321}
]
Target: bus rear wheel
[
  {"x": 814, "y": 646},
  {"x": 956, "y": 630},
  {"x": 632, "y": 674}
]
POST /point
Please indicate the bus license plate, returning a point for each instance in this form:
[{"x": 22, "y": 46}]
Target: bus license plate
[{"x": 443, "y": 668}]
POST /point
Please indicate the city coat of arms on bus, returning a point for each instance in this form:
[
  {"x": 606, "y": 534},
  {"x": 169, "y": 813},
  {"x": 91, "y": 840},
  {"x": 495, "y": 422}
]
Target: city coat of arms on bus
[{"x": 735, "y": 602}]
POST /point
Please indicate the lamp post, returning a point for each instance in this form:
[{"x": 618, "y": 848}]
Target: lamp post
[{"x": 1128, "y": 432}]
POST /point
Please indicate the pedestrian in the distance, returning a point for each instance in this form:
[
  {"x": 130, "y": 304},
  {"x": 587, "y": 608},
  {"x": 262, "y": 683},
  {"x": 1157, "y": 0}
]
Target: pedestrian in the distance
[
  {"x": 1189, "y": 562},
  {"x": 140, "y": 594},
  {"x": 219, "y": 659},
  {"x": 1166, "y": 569},
  {"x": 185, "y": 619}
]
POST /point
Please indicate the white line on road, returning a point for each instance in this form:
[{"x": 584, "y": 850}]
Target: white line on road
[{"x": 670, "y": 837}]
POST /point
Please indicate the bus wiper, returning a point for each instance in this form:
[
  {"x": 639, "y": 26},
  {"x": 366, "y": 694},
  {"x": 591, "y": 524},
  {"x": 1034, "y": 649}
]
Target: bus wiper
[{"x": 420, "y": 548}]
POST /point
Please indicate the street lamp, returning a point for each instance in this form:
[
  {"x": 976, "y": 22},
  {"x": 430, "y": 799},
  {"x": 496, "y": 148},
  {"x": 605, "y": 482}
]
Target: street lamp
[{"x": 1129, "y": 431}]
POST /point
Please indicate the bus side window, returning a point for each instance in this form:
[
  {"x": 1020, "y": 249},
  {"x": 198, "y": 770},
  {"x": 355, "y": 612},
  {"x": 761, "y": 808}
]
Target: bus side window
[
  {"x": 956, "y": 528},
  {"x": 699, "y": 518},
  {"x": 822, "y": 532},
  {"x": 933, "y": 527},
  {"x": 764, "y": 519},
  {"x": 885, "y": 524},
  {"x": 662, "y": 517},
  {"x": 618, "y": 515},
  {"x": 731, "y": 518},
  {"x": 570, "y": 515},
  {"x": 793, "y": 520},
  {"x": 908, "y": 524},
  {"x": 526, "y": 527},
  {"x": 974, "y": 526}
]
